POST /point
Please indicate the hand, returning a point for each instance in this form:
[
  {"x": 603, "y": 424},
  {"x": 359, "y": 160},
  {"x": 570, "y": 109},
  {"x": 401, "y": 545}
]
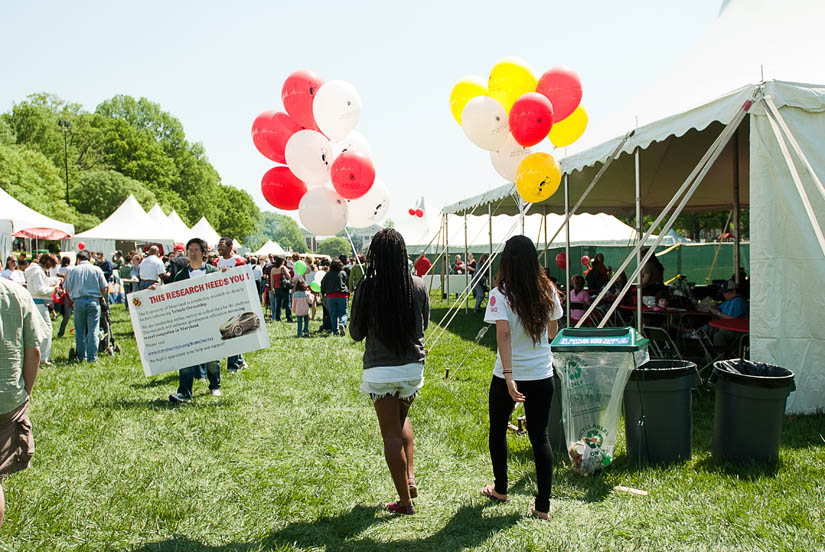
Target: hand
[
  {"x": 153, "y": 286},
  {"x": 513, "y": 389},
  {"x": 224, "y": 268}
]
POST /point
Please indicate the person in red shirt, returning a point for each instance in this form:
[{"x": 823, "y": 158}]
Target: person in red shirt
[{"x": 422, "y": 265}]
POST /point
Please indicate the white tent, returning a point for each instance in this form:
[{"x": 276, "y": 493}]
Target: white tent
[
  {"x": 271, "y": 248},
  {"x": 180, "y": 231},
  {"x": 204, "y": 231},
  {"x": 159, "y": 218},
  {"x": 17, "y": 220},
  {"x": 129, "y": 223},
  {"x": 787, "y": 205}
]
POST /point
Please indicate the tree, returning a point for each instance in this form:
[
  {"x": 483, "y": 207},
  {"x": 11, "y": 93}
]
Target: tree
[
  {"x": 6, "y": 133},
  {"x": 101, "y": 192},
  {"x": 279, "y": 228},
  {"x": 335, "y": 246},
  {"x": 237, "y": 213}
]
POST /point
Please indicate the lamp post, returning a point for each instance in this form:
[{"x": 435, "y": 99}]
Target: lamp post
[{"x": 65, "y": 126}]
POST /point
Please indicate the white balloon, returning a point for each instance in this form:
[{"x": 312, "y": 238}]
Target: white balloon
[
  {"x": 485, "y": 123},
  {"x": 336, "y": 108},
  {"x": 354, "y": 141},
  {"x": 507, "y": 159},
  {"x": 319, "y": 276},
  {"x": 309, "y": 155},
  {"x": 371, "y": 207},
  {"x": 322, "y": 211}
]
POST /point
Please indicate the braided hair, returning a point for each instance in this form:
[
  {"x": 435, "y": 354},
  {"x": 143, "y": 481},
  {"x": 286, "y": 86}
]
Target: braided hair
[{"x": 387, "y": 289}]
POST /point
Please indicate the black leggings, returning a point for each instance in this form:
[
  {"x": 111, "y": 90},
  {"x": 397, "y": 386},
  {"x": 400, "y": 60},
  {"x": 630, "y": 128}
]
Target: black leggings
[{"x": 538, "y": 395}]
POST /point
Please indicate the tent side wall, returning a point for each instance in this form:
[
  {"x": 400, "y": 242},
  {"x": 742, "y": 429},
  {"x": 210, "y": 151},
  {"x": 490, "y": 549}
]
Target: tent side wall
[{"x": 787, "y": 265}]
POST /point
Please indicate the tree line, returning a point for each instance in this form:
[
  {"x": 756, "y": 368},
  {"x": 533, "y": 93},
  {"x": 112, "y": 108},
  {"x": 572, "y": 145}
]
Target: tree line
[{"x": 125, "y": 146}]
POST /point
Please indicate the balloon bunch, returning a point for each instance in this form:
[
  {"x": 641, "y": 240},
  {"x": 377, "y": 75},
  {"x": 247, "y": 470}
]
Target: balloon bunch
[
  {"x": 514, "y": 111},
  {"x": 329, "y": 177},
  {"x": 416, "y": 213}
]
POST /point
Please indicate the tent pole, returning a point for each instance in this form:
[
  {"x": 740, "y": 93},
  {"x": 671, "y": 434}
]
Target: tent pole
[
  {"x": 546, "y": 245},
  {"x": 701, "y": 168},
  {"x": 466, "y": 268},
  {"x": 490, "y": 227},
  {"x": 567, "y": 247},
  {"x": 639, "y": 234},
  {"x": 443, "y": 260},
  {"x": 736, "y": 227},
  {"x": 447, "y": 253}
]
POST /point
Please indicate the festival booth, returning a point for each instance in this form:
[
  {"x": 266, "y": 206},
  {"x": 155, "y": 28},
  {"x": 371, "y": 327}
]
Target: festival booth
[
  {"x": 271, "y": 248},
  {"x": 162, "y": 222},
  {"x": 180, "y": 231},
  {"x": 129, "y": 223},
  {"x": 714, "y": 140},
  {"x": 203, "y": 230},
  {"x": 19, "y": 221}
]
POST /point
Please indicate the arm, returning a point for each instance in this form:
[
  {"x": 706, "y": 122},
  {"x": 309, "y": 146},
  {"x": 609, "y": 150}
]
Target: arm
[
  {"x": 506, "y": 352},
  {"x": 552, "y": 329},
  {"x": 31, "y": 362}
]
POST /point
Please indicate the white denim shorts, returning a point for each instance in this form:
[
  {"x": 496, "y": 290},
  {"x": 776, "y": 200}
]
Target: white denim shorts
[{"x": 401, "y": 381}]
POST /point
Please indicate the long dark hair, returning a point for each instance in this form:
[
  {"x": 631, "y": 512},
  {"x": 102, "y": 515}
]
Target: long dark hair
[
  {"x": 387, "y": 289},
  {"x": 526, "y": 286}
]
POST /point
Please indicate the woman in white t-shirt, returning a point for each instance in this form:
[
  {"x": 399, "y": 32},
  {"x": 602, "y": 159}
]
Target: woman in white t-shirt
[{"x": 525, "y": 308}]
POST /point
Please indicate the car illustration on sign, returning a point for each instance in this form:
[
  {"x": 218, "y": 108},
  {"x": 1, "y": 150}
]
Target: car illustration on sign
[{"x": 240, "y": 324}]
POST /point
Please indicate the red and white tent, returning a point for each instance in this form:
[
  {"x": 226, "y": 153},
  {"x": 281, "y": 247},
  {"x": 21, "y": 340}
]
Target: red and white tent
[{"x": 19, "y": 221}]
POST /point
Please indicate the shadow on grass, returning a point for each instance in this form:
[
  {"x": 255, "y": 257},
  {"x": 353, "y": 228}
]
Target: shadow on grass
[
  {"x": 466, "y": 529},
  {"x": 167, "y": 380},
  {"x": 163, "y": 403},
  {"x": 464, "y": 326},
  {"x": 751, "y": 471}
]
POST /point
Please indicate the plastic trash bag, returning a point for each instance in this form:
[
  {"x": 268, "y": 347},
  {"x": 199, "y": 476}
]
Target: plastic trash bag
[{"x": 592, "y": 386}]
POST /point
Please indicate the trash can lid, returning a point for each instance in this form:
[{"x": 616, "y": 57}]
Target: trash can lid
[
  {"x": 663, "y": 369},
  {"x": 579, "y": 340},
  {"x": 754, "y": 373}
]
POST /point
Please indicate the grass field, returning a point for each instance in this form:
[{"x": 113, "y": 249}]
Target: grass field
[{"x": 290, "y": 458}]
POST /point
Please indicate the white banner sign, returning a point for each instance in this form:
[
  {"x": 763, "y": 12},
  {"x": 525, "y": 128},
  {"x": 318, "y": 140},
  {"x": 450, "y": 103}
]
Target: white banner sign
[{"x": 197, "y": 320}]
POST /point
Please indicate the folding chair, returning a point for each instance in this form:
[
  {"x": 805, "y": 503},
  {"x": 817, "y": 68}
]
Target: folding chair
[
  {"x": 592, "y": 320},
  {"x": 661, "y": 344}
]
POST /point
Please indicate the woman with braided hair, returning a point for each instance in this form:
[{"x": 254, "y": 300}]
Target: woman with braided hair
[
  {"x": 525, "y": 308},
  {"x": 391, "y": 309}
]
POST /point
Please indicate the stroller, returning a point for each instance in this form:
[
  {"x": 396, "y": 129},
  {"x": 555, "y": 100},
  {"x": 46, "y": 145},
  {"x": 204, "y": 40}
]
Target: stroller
[{"x": 106, "y": 338}]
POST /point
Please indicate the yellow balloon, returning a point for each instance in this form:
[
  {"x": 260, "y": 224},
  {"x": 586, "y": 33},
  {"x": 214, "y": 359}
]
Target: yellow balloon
[
  {"x": 538, "y": 177},
  {"x": 510, "y": 79},
  {"x": 465, "y": 90},
  {"x": 567, "y": 131}
]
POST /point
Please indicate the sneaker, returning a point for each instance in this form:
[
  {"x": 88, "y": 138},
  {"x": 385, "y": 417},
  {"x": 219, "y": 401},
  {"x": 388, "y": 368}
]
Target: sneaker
[
  {"x": 306, "y": 335},
  {"x": 243, "y": 365},
  {"x": 216, "y": 393},
  {"x": 202, "y": 380},
  {"x": 178, "y": 398},
  {"x": 231, "y": 370}
]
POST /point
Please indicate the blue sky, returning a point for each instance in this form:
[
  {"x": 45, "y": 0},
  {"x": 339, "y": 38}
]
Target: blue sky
[{"x": 216, "y": 65}]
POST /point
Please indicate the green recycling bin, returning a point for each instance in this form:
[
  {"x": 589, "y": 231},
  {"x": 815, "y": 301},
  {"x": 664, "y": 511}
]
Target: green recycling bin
[{"x": 594, "y": 365}]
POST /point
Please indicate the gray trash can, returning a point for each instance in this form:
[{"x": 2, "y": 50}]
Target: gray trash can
[
  {"x": 556, "y": 428},
  {"x": 658, "y": 411},
  {"x": 750, "y": 406}
]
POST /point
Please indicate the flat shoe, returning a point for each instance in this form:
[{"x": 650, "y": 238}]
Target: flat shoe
[
  {"x": 398, "y": 508},
  {"x": 490, "y": 492},
  {"x": 544, "y": 516}
]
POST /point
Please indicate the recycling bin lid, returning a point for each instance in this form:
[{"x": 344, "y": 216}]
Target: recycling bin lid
[{"x": 580, "y": 340}]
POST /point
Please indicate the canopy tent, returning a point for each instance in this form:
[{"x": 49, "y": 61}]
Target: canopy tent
[
  {"x": 180, "y": 231},
  {"x": 159, "y": 218},
  {"x": 19, "y": 221},
  {"x": 130, "y": 223},
  {"x": 271, "y": 248},
  {"x": 204, "y": 231},
  {"x": 757, "y": 168}
]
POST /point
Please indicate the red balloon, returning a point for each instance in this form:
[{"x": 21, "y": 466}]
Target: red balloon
[
  {"x": 297, "y": 94},
  {"x": 81, "y": 246},
  {"x": 282, "y": 189},
  {"x": 561, "y": 260},
  {"x": 586, "y": 260},
  {"x": 530, "y": 119},
  {"x": 352, "y": 174},
  {"x": 412, "y": 212},
  {"x": 419, "y": 213},
  {"x": 270, "y": 133},
  {"x": 562, "y": 86}
]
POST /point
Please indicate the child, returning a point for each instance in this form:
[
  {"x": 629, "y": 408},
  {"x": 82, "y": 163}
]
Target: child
[
  {"x": 578, "y": 295},
  {"x": 661, "y": 301},
  {"x": 301, "y": 303}
]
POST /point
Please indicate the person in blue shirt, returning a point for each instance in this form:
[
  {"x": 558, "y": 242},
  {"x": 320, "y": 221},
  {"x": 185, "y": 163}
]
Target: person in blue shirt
[
  {"x": 87, "y": 288},
  {"x": 734, "y": 306}
]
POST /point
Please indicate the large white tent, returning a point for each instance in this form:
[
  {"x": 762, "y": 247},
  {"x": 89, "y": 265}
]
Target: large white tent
[
  {"x": 128, "y": 223},
  {"x": 180, "y": 231},
  {"x": 685, "y": 112},
  {"x": 17, "y": 220},
  {"x": 204, "y": 231},
  {"x": 162, "y": 222},
  {"x": 271, "y": 248}
]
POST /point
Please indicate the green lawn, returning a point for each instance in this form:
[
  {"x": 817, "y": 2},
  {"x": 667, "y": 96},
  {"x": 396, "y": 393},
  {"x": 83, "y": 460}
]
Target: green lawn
[{"x": 290, "y": 458}]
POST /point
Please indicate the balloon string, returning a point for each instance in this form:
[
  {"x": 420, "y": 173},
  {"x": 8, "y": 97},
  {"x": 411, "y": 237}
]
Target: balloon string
[{"x": 354, "y": 251}]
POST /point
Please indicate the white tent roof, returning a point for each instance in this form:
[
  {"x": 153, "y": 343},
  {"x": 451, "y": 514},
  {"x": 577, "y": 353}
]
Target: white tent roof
[
  {"x": 271, "y": 248},
  {"x": 180, "y": 231},
  {"x": 16, "y": 217},
  {"x": 204, "y": 231},
  {"x": 159, "y": 218},
  {"x": 128, "y": 222}
]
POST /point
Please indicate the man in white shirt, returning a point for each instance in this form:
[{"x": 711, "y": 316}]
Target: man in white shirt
[
  {"x": 12, "y": 273},
  {"x": 228, "y": 260},
  {"x": 41, "y": 289},
  {"x": 151, "y": 268}
]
